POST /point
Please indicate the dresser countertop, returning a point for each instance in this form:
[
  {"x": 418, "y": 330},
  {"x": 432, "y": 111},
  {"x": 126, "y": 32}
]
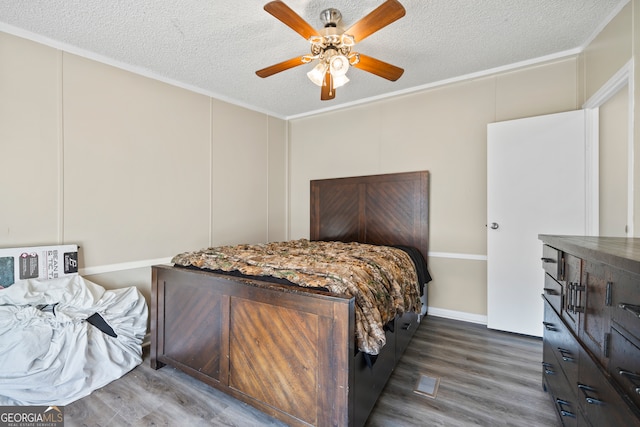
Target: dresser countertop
[{"x": 619, "y": 252}]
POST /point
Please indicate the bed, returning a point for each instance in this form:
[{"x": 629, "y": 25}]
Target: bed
[{"x": 290, "y": 351}]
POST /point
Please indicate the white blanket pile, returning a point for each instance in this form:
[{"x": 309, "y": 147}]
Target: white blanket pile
[{"x": 50, "y": 354}]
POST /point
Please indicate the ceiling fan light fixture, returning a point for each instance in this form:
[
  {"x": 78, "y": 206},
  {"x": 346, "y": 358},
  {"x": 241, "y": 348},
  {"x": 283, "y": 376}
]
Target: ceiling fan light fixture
[
  {"x": 339, "y": 80},
  {"x": 317, "y": 74},
  {"x": 347, "y": 40},
  {"x": 339, "y": 65}
]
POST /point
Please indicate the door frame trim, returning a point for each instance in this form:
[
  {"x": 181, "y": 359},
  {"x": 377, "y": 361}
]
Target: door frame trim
[{"x": 623, "y": 77}]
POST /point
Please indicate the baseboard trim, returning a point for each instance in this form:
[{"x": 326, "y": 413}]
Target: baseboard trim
[
  {"x": 457, "y": 315},
  {"x": 146, "y": 341},
  {"x": 457, "y": 255}
]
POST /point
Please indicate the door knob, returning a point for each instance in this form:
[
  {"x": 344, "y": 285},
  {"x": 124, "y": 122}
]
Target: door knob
[{"x": 494, "y": 226}]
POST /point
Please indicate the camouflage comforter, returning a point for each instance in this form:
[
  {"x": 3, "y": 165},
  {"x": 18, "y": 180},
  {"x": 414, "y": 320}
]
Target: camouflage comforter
[{"x": 382, "y": 279}]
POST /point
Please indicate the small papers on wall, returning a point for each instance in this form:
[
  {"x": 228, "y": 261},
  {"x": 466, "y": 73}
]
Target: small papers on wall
[{"x": 37, "y": 262}]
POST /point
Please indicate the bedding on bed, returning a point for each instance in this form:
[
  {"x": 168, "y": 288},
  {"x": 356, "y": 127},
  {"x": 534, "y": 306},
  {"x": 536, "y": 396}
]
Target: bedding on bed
[
  {"x": 63, "y": 338},
  {"x": 382, "y": 279}
]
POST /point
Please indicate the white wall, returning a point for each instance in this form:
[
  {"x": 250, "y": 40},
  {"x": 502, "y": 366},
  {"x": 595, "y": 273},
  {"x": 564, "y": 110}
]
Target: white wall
[
  {"x": 131, "y": 169},
  {"x": 442, "y": 130}
]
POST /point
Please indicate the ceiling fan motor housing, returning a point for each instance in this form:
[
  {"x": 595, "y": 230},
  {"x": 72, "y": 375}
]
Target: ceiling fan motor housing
[{"x": 331, "y": 18}]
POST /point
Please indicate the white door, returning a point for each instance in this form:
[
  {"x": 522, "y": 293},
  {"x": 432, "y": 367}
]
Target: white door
[{"x": 535, "y": 185}]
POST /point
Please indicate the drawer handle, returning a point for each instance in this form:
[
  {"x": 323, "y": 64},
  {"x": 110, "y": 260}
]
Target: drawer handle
[
  {"x": 549, "y": 326},
  {"x": 575, "y": 291},
  {"x": 566, "y": 354},
  {"x": 550, "y": 291},
  {"x": 632, "y": 376},
  {"x": 633, "y": 309},
  {"x": 406, "y": 326},
  {"x": 548, "y": 261},
  {"x": 563, "y": 412},
  {"x": 590, "y": 400},
  {"x": 548, "y": 368},
  {"x": 629, "y": 374}
]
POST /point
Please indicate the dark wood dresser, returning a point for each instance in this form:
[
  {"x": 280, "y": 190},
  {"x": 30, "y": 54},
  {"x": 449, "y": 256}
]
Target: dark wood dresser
[{"x": 591, "y": 345}]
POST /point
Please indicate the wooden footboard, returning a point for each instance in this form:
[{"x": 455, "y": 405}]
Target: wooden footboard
[{"x": 287, "y": 352}]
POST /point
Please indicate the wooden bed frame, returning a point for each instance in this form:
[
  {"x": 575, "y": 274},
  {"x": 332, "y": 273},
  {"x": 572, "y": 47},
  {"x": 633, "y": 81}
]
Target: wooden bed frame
[{"x": 289, "y": 351}]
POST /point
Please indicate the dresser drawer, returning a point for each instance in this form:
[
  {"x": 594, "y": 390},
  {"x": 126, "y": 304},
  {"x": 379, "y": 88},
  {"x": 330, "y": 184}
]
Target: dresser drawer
[
  {"x": 626, "y": 301},
  {"x": 556, "y": 384},
  {"x": 600, "y": 401},
  {"x": 624, "y": 364},
  {"x": 552, "y": 261},
  {"x": 553, "y": 292},
  {"x": 563, "y": 344}
]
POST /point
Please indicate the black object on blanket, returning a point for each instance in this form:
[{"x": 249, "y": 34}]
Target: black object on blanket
[
  {"x": 421, "y": 265},
  {"x": 96, "y": 320}
]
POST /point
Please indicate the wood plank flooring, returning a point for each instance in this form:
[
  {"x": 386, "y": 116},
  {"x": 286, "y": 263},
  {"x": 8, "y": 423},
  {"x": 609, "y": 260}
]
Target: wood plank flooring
[{"x": 487, "y": 378}]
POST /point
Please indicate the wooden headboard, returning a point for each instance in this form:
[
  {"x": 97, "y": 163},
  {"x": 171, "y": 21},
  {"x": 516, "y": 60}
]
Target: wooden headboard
[{"x": 389, "y": 209}]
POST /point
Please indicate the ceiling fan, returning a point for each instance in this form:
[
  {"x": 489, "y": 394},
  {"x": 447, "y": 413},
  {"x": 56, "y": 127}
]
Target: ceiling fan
[{"x": 332, "y": 45}]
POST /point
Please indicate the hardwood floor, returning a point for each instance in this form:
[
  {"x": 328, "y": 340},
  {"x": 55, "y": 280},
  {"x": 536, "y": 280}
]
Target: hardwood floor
[{"x": 487, "y": 378}]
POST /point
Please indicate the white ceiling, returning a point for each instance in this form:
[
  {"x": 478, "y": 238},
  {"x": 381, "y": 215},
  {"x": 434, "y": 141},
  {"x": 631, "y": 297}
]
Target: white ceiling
[{"x": 214, "y": 47}]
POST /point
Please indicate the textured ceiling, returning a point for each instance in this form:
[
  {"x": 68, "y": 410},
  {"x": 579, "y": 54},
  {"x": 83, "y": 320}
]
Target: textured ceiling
[{"x": 214, "y": 47}]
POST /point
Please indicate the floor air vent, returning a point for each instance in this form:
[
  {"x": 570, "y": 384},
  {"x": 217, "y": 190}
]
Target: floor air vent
[{"x": 427, "y": 386}]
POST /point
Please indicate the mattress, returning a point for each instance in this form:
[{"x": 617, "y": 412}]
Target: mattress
[{"x": 383, "y": 280}]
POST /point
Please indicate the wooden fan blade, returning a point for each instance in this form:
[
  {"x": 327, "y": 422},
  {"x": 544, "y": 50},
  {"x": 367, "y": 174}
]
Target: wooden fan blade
[
  {"x": 327, "y": 92},
  {"x": 388, "y": 12},
  {"x": 276, "y": 68},
  {"x": 379, "y": 68},
  {"x": 290, "y": 18}
]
